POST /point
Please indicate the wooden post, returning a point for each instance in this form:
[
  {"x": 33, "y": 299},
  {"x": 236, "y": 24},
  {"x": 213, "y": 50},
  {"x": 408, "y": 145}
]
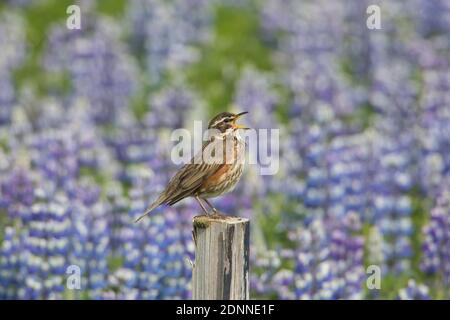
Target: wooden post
[{"x": 221, "y": 264}]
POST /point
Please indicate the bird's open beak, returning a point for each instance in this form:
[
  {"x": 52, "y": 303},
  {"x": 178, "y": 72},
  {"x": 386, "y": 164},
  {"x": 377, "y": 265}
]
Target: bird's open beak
[
  {"x": 241, "y": 114},
  {"x": 238, "y": 126}
]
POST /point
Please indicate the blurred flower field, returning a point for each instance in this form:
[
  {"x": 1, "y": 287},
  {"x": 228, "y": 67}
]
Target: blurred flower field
[{"x": 85, "y": 123}]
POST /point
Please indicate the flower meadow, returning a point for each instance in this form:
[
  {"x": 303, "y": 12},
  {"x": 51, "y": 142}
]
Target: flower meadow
[{"x": 364, "y": 117}]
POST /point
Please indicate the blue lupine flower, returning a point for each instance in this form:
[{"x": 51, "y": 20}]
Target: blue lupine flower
[
  {"x": 434, "y": 17},
  {"x": 392, "y": 207},
  {"x": 434, "y": 122},
  {"x": 12, "y": 41},
  {"x": 436, "y": 251},
  {"x": 46, "y": 248},
  {"x": 9, "y": 264},
  {"x": 414, "y": 291},
  {"x": 168, "y": 31},
  {"x": 55, "y": 154},
  {"x": 100, "y": 68},
  {"x": 17, "y": 192},
  {"x": 169, "y": 107},
  {"x": 92, "y": 235},
  {"x": 264, "y": 279}
]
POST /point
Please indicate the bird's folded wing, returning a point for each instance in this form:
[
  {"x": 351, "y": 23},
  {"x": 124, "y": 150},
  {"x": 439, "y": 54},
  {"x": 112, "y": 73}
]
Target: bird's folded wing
[
  {"x": 203, "y": 165},
  {"x": 196, "y": 174},
  {"x": 191, "y": 176}
]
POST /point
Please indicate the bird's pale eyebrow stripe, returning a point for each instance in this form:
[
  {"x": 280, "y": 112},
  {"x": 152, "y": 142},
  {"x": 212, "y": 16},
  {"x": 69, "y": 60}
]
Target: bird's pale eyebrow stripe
[
  {"x": 221, "y": 120},
  {"x": 217, "y": 122}
]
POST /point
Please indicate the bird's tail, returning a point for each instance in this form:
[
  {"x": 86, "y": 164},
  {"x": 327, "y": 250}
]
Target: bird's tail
[{"x": 153, "y": 206}]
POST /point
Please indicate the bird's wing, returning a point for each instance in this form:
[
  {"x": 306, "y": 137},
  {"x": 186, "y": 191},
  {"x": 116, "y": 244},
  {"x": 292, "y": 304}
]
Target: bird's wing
[
  {"x": 189, "y": 178},
  {"x": 192, "y": 175}
]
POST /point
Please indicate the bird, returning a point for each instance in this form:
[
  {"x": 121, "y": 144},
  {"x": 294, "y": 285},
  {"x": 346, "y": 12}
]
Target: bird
[{"x": 213, "y": 171}]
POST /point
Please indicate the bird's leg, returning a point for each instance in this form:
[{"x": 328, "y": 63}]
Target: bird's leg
[
  {"x": 210, "y": 205},
  {"x": 201, "y": 205}
]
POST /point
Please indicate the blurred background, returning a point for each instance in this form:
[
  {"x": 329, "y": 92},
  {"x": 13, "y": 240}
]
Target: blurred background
[{"x": 85, "y": 123}]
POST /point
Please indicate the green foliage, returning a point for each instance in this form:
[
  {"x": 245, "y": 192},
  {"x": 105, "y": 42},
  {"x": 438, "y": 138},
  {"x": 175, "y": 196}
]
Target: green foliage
[
  {"x": 236, "y": 43},
  {"x": 39, "y": 17},
  {"x": 115, "y": 8}
]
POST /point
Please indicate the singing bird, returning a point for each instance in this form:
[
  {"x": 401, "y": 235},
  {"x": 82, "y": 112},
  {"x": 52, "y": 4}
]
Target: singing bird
[{"x": 208, "y": 174}]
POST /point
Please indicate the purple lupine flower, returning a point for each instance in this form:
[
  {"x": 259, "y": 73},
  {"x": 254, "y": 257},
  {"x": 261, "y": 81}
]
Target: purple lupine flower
[
  {"x": 168, "y": 31},
  {"x": 328, "y": 263},
  {"x": 308, "y": 51},
  {"x": 168, "y": 107},
  {"x": 156, "y": 256},
  {"x": 46, "y": 247},
  {"x": 414, "y": 291},
  {"x": 19, "y": 3},
  {"x": 130, "y": 148},
  {"x": 348, "y": 172},
  {"x": 255, "y": 94},
  {"x": 434, "y": 120},
  {"x": 396, "y": 102},
  {"x": 9, "y": 264},
  {"x": 12, "y": 41},
  {"x": 100, "y": 68},
  {"x": 436, "y": 253},
  {"x": 357, "y": 46},
  {"x": 93, "y": 152},
  {"x": 277, "y": 15},
  {"x": 346, "y": 253},
  {"x": 392, "y": 206},
  {"x": 55, "y": 154},
  {"x": 154, "y": 251},
  {"x": 434, "y": 17},
  {"x": 307, "y": 21},
  {"x": 118, "y": 209},
  {"x": 315, "y": 190},
  {"x": 92, "y": 247},
  {"x": 291, "y": 164},
  {"x": 7, "y": 96},
  {"x": 313, "y": 274},
  {"x": 281, "y": 283},
  {"x": 263, "y": 279},
  {"x": 375, "y": 254},
  {"x": 17, "y": 192}
]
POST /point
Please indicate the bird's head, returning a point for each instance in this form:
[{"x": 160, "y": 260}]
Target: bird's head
[{"x": 226, "y": 121}]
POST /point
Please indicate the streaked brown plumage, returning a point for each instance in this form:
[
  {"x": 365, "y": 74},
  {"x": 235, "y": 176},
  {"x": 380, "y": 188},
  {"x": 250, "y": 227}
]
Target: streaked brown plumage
[{"x": 205, "y": 176}]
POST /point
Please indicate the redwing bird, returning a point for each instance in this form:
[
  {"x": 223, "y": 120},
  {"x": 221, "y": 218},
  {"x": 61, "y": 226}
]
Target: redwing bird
[{"x": 213, "y": 171}]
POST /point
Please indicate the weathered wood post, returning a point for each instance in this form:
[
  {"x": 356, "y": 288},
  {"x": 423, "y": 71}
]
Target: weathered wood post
[{"x": 221, "y": 266}]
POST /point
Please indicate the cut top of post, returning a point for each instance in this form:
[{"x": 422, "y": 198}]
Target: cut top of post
[{"x": 205, "y": 221}]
